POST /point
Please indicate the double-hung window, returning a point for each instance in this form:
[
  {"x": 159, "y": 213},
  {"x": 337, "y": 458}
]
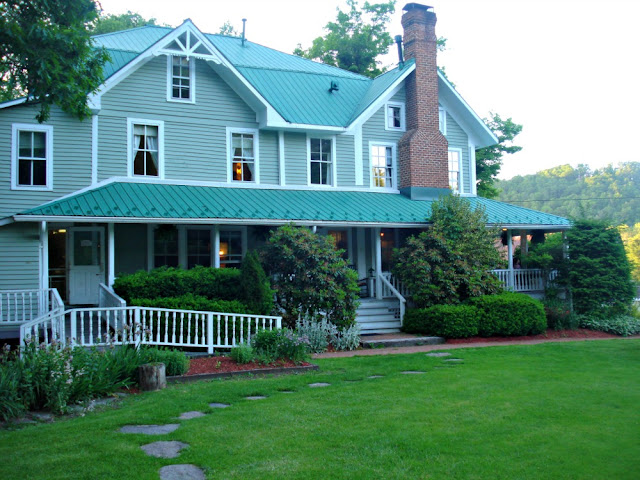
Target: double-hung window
[
  {"x": 198, "y": 247},
  {"x": 32, "y": 157},
  {"x": 455, "y": 155},
  {"x": 382, "y": 165},
  {"x": 231, "y": 248},
  {"x": 180, "y": 79},
  {"x": 321, "y": 162},
  {"x": 165, "y": 246},
  {"x": 243, "y": 160},
  {"x": 395, "y": 116},
  {"x": 146, "y": 156}
]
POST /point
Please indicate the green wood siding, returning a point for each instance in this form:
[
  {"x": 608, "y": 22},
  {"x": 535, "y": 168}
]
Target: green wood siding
[
  {"x": 19, "y": 257},
  {"x": 71, "y": 157},
  {"x": 457, "y": 138},
  {"x": 131, "y": 256},
  {"x": 295, "y": 154},
  {"x": 269, "y": 163},
  {"x": 345, "y": 161}
]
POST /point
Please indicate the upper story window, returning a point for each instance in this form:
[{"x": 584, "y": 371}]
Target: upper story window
[
  {"x": 180, "y": 79},
  {"x": 395, "y": 116},
  {"x": 455, "y": 155},
  {"x": 442, "y": 120},
  {"x": 243, "y": 153},
  {"x": 32, "y": 157},
  {"x": 146, "y": 145},
  {"x": 321, "y": 164},
  {"x": 382, "y": 165}
]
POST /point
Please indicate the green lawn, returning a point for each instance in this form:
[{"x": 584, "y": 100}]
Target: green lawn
[{"x": 551, "y": 411}]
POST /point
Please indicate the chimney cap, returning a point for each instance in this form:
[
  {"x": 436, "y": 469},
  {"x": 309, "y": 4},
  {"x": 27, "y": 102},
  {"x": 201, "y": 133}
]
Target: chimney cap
[{"x": 417, "y": 6}]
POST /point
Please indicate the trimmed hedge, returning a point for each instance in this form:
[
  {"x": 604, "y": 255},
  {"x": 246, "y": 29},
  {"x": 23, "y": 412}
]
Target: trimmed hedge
[
  {"x": 192, "y": 302},
  {"x": 212, "y": 283},
  {"x": 509, "y": 314},
  {"x": 449, "y": 321}
]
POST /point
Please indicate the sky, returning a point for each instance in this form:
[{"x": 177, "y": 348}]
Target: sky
[{"x": 567, "y": 70}]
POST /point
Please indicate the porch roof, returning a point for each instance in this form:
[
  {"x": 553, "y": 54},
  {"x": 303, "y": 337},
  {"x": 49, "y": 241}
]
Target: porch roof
[{"x": 166, "y": 202}]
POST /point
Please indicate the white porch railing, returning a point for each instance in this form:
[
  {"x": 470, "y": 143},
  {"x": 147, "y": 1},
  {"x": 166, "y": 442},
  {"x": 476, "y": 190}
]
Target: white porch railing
[
  {"x": 148, "y": 326},
  {"x": 525, "y": 279},
  {"x": 20, "y": 306},
  {"x": 108, "y": 298},
  {"x": 396, "y": 283},
  {"x": 389, "y": 290}
]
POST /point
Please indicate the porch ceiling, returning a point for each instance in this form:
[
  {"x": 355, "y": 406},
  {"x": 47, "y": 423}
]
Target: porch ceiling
[{"x": 122, "y": 202}]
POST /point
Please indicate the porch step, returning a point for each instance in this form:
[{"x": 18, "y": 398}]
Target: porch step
[
  {"x": 398, "y": 340},
  {"x": 378, "y": 316}
]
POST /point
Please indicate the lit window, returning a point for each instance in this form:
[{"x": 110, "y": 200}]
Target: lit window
[
  {"x": 320, "y": 161},
  {"x": 454, "y": 170},
  {"x": 395, "y": 116},
  {"x": 32, "y": 159},
  {"x": 230, "y": 248},
  {"x": 145, "y": 150},
  {"x": 382, "y": 165},
  {"x": 243, "y": 157}
]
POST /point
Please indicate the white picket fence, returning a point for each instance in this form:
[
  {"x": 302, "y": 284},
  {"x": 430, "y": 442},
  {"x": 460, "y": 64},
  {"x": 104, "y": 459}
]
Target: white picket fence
[
  {"x": 526, "y": 279},
  {"x": 146, "y": 326},
  {"x": 20, "y": 306}
]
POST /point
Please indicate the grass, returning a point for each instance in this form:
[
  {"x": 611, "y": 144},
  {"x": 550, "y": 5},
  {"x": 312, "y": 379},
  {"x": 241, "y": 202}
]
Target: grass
[{"x": 550, "y": 411}]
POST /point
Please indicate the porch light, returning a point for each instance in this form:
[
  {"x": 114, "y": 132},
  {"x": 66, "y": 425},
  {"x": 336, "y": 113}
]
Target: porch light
[
  {"x": 382, "y": 234},
  {"x": 504, "y": 229}
]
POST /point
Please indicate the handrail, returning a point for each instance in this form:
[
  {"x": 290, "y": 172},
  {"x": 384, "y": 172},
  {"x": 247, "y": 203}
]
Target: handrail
[
  {"x": 396, "y": 293},
  {"x": 109, "y": 298}
]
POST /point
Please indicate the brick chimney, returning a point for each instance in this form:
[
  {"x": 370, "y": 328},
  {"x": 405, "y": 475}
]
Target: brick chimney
[{"x": 423, "y": 150}]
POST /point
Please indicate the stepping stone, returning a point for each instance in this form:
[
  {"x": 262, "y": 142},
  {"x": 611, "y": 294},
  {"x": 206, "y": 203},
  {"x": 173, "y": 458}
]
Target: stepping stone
[
  {"x": 412, "y": 372},
  {"x": 150, "y": 429},
  {"x": 164, "y": 449},
  {"x": 181, "y": 472},
  {"x": 453, "y": 360},
  {"x": 375, "y": 376},
  {"x": 255, "y": 397},
  {"x": 219, "y": 405},
  {"x": 438, "y": 354},
  {"x": 190, "y": 415},
  {"x": 319, "y": 384}
]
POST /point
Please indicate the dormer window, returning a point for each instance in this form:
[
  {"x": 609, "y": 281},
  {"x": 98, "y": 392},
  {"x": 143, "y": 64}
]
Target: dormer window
[
  {"x": 180, "y": 79},
  {"x": 395, "y": 116}
]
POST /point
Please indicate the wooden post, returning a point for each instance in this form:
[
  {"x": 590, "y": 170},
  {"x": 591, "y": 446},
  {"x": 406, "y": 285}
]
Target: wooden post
[
  {"x": 510, "y": 283},
  {"x": 152, "y": 376},
  {"x": 378, "y": 256},
  {"x": 524, "y": 248}
]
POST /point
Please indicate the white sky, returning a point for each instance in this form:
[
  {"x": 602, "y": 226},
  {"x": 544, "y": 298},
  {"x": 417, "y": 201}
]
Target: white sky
[{"x": 567, "y": 70}]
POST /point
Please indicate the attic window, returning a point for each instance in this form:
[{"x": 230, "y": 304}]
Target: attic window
[
  {"x": 180, "y": 79},
  {"x": 395, "y": 116}
]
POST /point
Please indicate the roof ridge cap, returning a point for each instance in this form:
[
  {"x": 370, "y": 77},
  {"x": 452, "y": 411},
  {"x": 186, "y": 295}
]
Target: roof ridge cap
[
  {"x": 361, "y": 78},
  {"x": 130, "y": 30}
]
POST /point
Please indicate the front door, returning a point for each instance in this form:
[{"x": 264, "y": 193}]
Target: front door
[{"x": 86, "y": 264}]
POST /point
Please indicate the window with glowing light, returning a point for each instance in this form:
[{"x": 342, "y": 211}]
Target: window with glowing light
[{"x": 230, "y": 248}]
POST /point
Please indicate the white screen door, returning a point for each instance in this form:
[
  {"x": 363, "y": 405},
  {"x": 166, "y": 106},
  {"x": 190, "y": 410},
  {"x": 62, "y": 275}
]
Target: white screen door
[{"x": 86, "y": 264}]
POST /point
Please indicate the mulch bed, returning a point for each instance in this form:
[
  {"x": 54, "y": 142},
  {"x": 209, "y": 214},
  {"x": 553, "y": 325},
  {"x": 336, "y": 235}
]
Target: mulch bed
[
  {"x": 202, "y": 365},
  {"x": 550, "y": 334}
]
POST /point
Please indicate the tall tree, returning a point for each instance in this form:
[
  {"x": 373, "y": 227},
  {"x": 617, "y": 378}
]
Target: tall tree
[
  {"x": 114, "y": 23},
  {"x": 489, "y": 159},
  {"x": 47, "y": 55},
  {"x": 228, "y": 29},
  {"x": 354, "y": 41}
]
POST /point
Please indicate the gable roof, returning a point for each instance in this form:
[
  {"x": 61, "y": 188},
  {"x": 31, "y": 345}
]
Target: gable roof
[{"x": 167, "y": 202}]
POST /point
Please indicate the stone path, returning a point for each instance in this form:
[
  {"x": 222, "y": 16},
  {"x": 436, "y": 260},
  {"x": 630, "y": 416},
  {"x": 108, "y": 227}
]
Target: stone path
[
  {"x": 150, "y": 429},
  {"x": 219, "y": 405},
  {"x": 190, "y": 415},
  {"x": 319, "y": 385},
  {"x": 181, "y": 472},
  {"x": 164, "y": 449}
]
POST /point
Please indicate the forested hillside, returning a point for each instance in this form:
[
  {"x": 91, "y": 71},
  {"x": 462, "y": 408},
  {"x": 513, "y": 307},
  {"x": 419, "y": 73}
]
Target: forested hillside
[{"x": 610, "y": 193}]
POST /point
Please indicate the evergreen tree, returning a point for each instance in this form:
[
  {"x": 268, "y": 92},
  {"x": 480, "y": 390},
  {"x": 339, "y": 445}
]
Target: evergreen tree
[{"x": 255, "y": 285}]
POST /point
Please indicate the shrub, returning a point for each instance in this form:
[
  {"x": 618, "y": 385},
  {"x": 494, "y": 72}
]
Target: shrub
[
  {"x": 272, "y": 345},
  {"x": 559, "y": 314},
  {"x": 452, "y": 260},
  {"x": 509, "y": 314},
  {"x": 317, "y": 332},
  {"x": 212, "y": 283},
  {"x": 623, "y": 325},
  {"x": 449, "y": 321},
  {"x": 175, "y": 361},
  {"x": 310, "y": 277},
  {"x": 190, "y": 301},
  {"x": 347, "y": 339},
  {"x": 255, "y": 285},
  {"x": 243, "y": 353}
]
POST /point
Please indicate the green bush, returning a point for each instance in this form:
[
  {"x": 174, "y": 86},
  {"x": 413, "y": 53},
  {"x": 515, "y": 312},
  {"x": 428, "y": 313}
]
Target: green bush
[
  {"x": 623, "y": 325},
  {"x": 242, "y": 353},
  {"x": 175, "y": 361},
  {"x": 449, "y": 321},
  {"x": 559, "y": 314},
  {"x": 190, "y": 301},
  {"x": 272, "y": 345},
  {"x": 255, "y": 285},
  {"x": 212, "y": 283},
  {"x": 509, "y": 314}
]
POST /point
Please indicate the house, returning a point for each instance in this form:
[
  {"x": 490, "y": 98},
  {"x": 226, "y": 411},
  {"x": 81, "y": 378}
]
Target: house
[{"x": 199, "y": 142}]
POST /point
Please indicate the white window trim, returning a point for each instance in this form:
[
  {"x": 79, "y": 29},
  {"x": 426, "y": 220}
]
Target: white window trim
[
  {"x": 154, "y": 123},
  {"x": 15, "y": 138},
  {"x": 403, "y": 117},
  {"x": 394, "y": 154},
  {"x": 334, "y": 170},
  {"x": 460, "y": 171},
  {"x": 443, "y": 112},
  {"x": 192, "y": 80},
  {"x": 243, "y": 236},
  {"x": 256, "y": 155}
]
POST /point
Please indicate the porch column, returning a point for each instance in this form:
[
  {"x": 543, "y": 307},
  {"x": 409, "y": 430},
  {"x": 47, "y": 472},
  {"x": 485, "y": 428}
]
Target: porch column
[
  {"x": 510, "y": 281},
  {"x": 361, "y": 257},
  {"x": 111, "y": 254},
  {"x": 44, "y": 256},
  {"x": 216, "y": 246},
  {"x": 524, "y": 248},
  {"x": 378, "y": 264}
]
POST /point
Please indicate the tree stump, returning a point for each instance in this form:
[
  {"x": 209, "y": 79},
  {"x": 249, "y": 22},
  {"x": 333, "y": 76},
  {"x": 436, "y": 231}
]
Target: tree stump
[{"x": 152, "y": 377}]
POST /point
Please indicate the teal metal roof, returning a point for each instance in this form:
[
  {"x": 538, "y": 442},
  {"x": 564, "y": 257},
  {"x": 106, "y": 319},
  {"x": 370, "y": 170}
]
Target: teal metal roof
[{"x": 169, "y": 202}]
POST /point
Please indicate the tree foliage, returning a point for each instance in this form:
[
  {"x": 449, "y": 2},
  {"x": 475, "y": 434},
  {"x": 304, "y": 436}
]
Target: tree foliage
[
  {"x": 610, "y": 193},
  {"x": 631, "y": 239},
  {"x": 310, "y": 277},
  {"x": 228, "y": 29},
  {"x": 47, "y": 54},
  {"x": 489, "y": 159},
  {"x": 355, "y": 40},
  {"x": 124, "y": 21},
  {"x": 451, "y": 261},
  {"x": 255, "y": 285},
  {"x": 599, "y": 271}
]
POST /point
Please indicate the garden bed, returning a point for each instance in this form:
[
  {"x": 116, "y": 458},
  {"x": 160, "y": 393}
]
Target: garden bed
[{"x": 549, "y": 334}]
